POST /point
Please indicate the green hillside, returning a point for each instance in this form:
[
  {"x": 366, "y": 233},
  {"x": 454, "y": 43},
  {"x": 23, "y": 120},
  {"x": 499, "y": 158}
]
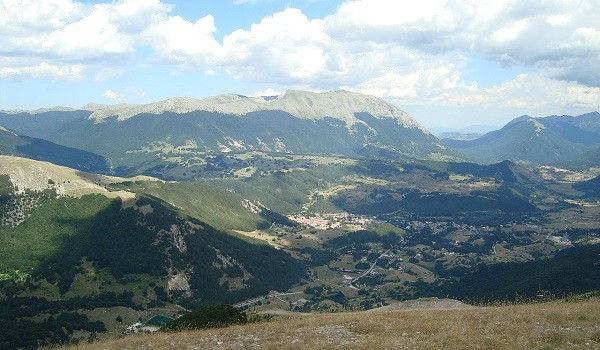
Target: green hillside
[
  {"x": 63, "y": 231},
  {"x": 71, "y": 256},
  {"x": 589, "y": 158},
  {"x": 285, "y": 191},
  {"x": 581, "y": 130},
  {"x": 591, "y": 188},
  {"x": 589, "y": 121},
  {"x": 572, "y": 271},
  {"x": 220, "y": 208},
  {"x": 38, "y": 149},
  {"x": 45, "y": 232}
]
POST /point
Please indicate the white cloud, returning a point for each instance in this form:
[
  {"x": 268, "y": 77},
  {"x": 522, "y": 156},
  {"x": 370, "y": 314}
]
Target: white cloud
[
  {"x": 130, "y": 93},
  {"x": 210, "y": 72},
  {"x": 284, "y": 47},
  {"x": 410, "y": 52},
  {"x": 31, "y": 17},
  {"x": 413, "y": 87},
  {"x": 114, "y": 96},
  {"x": 106, "y": 73},
  {"x": 182, "y": 42},
  {"x": 526, "y": 92},
  {"x": 429, "y": 24},
  {"x": 553, "y": 36},
  {"x": 135, "y": 16},
  {"x": 43, "y": 71},
  {"x": 266, "y": 92},
  {"x": 75, "y": 32},
  {"x": 512, "y": 32},
  {"x": 547, "y": 36},
  {"x": 64, "y": 33},
  {"x": 290, "y": 49},
  {"x": 559, "y": 20}
]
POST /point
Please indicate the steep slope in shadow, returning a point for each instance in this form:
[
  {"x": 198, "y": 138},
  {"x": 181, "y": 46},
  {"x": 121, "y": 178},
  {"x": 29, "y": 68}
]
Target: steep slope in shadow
[{"x": 38, "y": 149}]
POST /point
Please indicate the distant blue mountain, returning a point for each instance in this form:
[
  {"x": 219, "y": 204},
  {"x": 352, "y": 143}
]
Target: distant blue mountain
[{"x": 547, "y": 140}]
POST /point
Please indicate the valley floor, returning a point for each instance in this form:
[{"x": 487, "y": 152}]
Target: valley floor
[{"x": 553, "y": 325}]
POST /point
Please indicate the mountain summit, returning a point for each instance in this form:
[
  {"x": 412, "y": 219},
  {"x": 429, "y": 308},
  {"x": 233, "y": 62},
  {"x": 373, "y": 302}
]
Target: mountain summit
[
  {"x": 546, "y": 140},
  {"x": 339, "y": 104},
  {"x": 182, "y": 131}
]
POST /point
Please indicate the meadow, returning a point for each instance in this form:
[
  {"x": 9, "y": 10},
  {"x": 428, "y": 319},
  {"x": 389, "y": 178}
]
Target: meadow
[{"x": 561, "y": 324}]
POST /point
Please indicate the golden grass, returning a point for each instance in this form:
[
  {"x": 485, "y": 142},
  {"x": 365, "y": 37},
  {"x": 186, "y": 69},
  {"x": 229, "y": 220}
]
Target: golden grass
[
  {"x": 555, "y": 325},
  {"x": 32, "y": 174}
]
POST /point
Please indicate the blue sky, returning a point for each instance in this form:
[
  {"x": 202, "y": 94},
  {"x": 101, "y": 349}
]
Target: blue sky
[{"x": 446, "y": 62}]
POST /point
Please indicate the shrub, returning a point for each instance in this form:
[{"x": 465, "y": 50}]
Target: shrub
[
  {"x": 362, "y": 265},
  {"x": 208, "y": 317}
]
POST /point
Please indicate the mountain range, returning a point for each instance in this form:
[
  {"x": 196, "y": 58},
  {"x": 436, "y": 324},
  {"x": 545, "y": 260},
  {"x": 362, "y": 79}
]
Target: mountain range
[
  {"x": 302, "y": 201},
  {"x": 127, "y": 139},
  {"x": 467, "y": 133},
  {"x": 545, "y": 140},
  {"x": 132, "y": 137}
]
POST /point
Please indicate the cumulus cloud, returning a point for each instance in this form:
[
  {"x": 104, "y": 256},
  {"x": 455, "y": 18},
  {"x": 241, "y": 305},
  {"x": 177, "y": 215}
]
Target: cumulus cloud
[
  {"x": 210, "y": 72},
  {"x": 69, "y": 35},
  {"x": 127, "y": 94},
  {"x": 429, "y": 24},
  {"x": 290, "y": 49},
  {"x": 411, "y": 52},
  {"x": 525, "y": 92},
  {"x": 70, "y": 31},
  {"x": 415, "y": 86},
  {"x": 113, "y": 96},
  {"x": 284, "y": 47},
  {"x": 43, "y": 71},
  {"x": 267, "y": 92},
  {"x": 182, "y": 42},
  {"x": 22, "y": 18},
  {"x": 556, "y": 37}
]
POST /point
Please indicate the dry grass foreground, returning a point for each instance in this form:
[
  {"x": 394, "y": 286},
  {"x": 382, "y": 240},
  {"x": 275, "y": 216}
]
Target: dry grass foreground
[{"x": 555, "y": 325}]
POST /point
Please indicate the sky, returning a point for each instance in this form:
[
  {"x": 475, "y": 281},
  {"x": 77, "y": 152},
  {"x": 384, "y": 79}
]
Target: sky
[{"x": 447, "y": 63}]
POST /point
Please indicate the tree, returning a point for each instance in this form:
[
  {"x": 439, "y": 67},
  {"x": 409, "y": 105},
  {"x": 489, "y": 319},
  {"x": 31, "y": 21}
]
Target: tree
[{"x": 208, "y": 317}]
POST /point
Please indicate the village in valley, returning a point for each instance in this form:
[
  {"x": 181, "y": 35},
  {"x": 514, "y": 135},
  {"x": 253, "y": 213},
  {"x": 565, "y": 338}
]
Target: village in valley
[{"x": 376, "y": 260}]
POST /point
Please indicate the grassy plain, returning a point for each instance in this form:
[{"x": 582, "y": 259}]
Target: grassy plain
[{"x": 553, "y": 325}]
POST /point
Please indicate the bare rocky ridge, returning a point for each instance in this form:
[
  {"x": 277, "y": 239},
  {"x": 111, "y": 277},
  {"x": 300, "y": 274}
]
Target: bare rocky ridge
[
  {"x": 302, "y": 104},
  {"x": 8, "y": 131}
]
